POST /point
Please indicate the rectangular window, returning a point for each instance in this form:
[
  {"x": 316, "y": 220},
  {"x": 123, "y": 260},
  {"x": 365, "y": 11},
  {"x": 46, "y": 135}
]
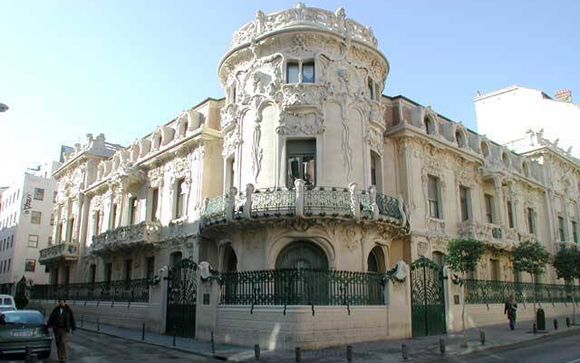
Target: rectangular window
[
  {"x": 50, "y": 240},
  {"x": 433, "y": 197},
  {"x": 301, "y": 161},
  {"x": 561, "y": 229},
  {"x": 9, "y": 261},
  {"x": 69, "y": 229},
  {"x": 308, "y": 73},
  {"x": 464, "y": 202},
  {"x": 495, "y": 274},
  {"x": 531, "y": 223},
  {"x": 180, "y": 198},
  {"x": 38, "y": 194},
  {"x": 376, "y": 171},
  {"x": 33, "y": 240},
  {"x": 29, "y": 265},
  {"x": 292, "y": 71},
  {"x": 154, "y": 203},
  {"x": 93, "y": 273},
  {"x": 114, "y": 216},
  {"x": 59, "y": 233},
  {"x": 133, "y": 210},
  {"x": 52, "y": 219},
  {"x": 108, "y": 272},
  {"x": 150, "y": 268},
  {"x": 574, "y": 231},
  {"x": 97, "y": 223},
  {"x": 510, "y": 212},
  {"x": 54, "y": 197},
  {"x": 230, "y": 172},
  {"x": 35, "y": 217},
  {"x": 488, "y": 208},
  {"x": 128, "y": 270}
]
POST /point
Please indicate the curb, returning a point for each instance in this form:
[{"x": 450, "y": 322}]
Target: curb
[{"x": 183, "y": 350}]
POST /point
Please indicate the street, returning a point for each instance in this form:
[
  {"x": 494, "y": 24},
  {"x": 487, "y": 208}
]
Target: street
[
  {"x": 89, "y": 347},
  {"x": 554, "y": 349}
]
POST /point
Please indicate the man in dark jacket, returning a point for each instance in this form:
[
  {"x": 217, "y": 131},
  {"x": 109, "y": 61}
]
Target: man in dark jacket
[{"x": 62, "y": 322}]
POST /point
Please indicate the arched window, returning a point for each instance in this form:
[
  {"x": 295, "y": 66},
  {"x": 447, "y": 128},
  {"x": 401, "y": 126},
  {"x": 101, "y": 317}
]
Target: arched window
[
  {"x": 429, "y": 126},
  {"x": 376, "y": 171},
  {"x": 484, "y": 149},
  {"x": 460, "y": 138},
  {"x": 439, "y": 258},
  {"x": 175, "y": 257},
  {"x": 376, "y": 260},
  {"x": 302, "y": 255},
  {"x": 230, "y": 261},
  {"x": 526, "y": 169},
  {"x": 505, "y": 158}
]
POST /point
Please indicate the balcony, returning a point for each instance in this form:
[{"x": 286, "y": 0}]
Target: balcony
[
  {"x": 126, "y": 238},
  {"x": 490, "y": 233},
  {"x": 305, "y": 202},
  {"x": 58, "y": 253}
]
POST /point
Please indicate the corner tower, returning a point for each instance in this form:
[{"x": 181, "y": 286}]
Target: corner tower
[{"x": 303, "y": 90}]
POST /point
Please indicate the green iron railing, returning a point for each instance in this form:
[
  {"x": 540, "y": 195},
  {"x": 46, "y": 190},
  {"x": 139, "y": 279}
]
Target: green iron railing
[
  {"x": 327, "y": 201},
  {"x": 498, "y": 292},
  {"x": 273, "y": 201},
  {"x": 117, "y": 291},
  {"x": 302, "y": 287}
]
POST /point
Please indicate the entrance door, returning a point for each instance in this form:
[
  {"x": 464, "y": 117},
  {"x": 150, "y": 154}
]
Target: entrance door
[
  {"x": 181, "y": 298},
  {"x": 427, "y": 297}
]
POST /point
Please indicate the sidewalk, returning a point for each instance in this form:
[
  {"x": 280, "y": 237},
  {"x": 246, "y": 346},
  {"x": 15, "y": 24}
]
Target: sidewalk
[{"x": 422, "y": 349}]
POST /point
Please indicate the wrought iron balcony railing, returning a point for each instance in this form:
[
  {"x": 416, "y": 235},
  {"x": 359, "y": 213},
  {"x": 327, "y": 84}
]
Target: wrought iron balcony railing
[
  {"x": 302, "y": 287},
  {"x": 498, "y": 292},
  {"x": 125, "y": 238},
  {"x": 114, "y": 291},
  {"x": 60, "y": 252},
  {"x": 304, "y": 201}
]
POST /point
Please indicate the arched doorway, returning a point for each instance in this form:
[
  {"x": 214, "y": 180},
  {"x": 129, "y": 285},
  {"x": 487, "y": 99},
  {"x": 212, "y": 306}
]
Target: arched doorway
[
  {"x": 376, "y": 260},
  {"x": 302, "y": 274},
  {"x": 230, "y": 260}
]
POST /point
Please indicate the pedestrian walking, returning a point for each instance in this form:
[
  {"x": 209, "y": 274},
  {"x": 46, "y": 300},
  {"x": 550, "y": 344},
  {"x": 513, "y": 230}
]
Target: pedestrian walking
[
  {"x": 511, "y": 309},
  {"x": 62, "y": 322}
]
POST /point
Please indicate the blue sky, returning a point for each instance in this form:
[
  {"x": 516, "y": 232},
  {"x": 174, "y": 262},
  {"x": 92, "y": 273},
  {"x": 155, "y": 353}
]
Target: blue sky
[{"x": 123, "y": 67}]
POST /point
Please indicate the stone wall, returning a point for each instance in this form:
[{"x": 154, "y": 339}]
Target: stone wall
[{"x": 120, "y": 314}]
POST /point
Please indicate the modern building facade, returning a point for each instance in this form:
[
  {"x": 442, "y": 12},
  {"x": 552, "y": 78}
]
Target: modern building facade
[
  {"x": 26, "y": 221},
  {"x": 306, "y": 198}
]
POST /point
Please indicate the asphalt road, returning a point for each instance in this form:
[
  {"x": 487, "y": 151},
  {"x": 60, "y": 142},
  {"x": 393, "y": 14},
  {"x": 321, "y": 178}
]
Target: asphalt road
[
  {"x": 553, "y": 349},
  {"x": 89, "y": 347}
]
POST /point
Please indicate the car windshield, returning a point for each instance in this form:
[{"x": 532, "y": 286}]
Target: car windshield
[
  {"x": 7, "y": 301},
  {"x": 23, "y": 317}
]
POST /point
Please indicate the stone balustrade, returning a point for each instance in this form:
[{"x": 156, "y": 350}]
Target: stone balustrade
[
  {"x": 126, "y": 238},
  {"x": 65, "y": 251},
  {"x": 304, "y": 201},
  {"x": 304, "y": 17}
]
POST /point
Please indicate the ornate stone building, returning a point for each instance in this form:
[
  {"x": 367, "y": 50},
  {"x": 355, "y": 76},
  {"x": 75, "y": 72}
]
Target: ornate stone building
[{"x": 303, "y": 189}]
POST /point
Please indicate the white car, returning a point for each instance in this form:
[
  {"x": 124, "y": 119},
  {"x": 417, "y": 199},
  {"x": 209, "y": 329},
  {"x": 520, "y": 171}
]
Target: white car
[{"x": 7, "y": 303}]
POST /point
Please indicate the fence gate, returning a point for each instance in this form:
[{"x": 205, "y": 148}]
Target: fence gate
[
  {"x": 427, "y": 297},
  {"x": 181, "y": 298}
]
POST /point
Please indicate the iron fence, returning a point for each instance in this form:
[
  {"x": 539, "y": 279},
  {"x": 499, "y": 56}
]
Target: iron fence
[
  {"x": 498, "y": 292},
  {"x": 117, "y": 291},
  {"x": 302, "y": 287}
]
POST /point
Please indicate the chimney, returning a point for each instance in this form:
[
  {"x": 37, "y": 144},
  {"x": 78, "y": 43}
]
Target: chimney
[{"x": 564, "y": 95}]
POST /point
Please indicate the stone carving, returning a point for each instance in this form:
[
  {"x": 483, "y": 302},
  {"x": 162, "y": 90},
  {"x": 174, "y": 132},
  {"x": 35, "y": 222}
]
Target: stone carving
[
  {"x": 304, "y": 16},
  {"x": 374, "y": 138},
  {"x": 257, "y": 151},
  {"x": 301, "y": 123}
]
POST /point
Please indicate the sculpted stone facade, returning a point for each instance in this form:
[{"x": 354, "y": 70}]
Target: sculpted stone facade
[{"x": 305, "y": 152}]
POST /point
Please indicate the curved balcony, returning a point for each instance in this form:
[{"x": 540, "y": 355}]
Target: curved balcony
[
  {"x": 304, "y": 17},
  {"x": 304, "y": 202},
  {"x": 58, "y": 253},
  {"x": 126, "y": 238}
]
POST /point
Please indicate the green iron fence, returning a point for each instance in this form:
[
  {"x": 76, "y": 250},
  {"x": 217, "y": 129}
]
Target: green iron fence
[
  {"x": 302, "y": 287},
  {"x": 117, "y": 291},
  {"x": 498, "y": 292}
]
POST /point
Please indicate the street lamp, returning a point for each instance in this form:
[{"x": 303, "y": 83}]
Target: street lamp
[{"x": 3, "y": 107}]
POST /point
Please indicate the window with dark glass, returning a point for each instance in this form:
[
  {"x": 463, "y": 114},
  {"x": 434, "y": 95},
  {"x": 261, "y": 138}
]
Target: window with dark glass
[
  {"x": 464, "y": 202},
  {"x": 180, "y": 198},
  {"x": 488, "y": 208},
  {"x": 574, "y": 231},
  {"x": 108, "y": 272},
  {"x": 114, "y": 216},
  {"x": 150, "y": 267},
  {"x": 154, "y": 203},
  {"x": 97, "y": 223},
  {"x": 531, "y": 223},
  {"x": 433, "y": 196},
  {"x": 128, "y": 270},
  {"x": 301, "y": 161},
  {"x": 510, "y": 212},
  {"x": 93, "y": 273},
  {"x": 69, "y": 229},
  {"x": 35, "y": 217},
  {"x": 29, "y": 265},
  {"x": 561, "y": 231},
  {"x": 303, "y": 72},
  {"x": 495, "y": 273},
  {"x": 38, "y": 194},
  {"x": 133, "y": 210}
]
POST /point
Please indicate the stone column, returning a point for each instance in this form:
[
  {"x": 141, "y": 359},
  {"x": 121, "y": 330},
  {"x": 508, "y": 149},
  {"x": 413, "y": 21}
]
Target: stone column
[
  {"x": 499, "y": 204},
  {"x": 83, "y": 224}
]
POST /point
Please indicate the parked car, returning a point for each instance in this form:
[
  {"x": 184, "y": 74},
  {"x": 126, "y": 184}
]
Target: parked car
[
  {"x": 7, "y": 303},
  {"x": 24, "y": 328}
]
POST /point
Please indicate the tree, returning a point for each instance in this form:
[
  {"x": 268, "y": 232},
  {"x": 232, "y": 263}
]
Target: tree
[
  {"x": 567, "y": 265},
  {"x": 463, "y": 256},
  {"x": 531, "y": 257}
]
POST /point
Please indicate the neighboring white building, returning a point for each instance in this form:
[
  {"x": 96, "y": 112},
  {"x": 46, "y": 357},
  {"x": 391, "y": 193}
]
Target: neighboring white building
[
  {"x": 509, "y": 116},
  {"x": 26, "y": 224}
]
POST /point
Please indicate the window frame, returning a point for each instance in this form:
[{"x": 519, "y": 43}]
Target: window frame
[
  {"x": 38, "y": 194},
  {"x": 300, "y": 63},
  {"x": 31, "y": 242},
  {"x": 434, "y": 202},
  {"x": 489, "y": 208},
  {"x": 309, "y": 150},
  {"x": 465, "y": 203},
  {"x": 33, "y": 214}
]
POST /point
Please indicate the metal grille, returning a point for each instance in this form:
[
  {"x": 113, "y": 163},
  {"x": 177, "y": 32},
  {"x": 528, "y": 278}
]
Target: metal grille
[
  {"x": 274, "y": 202},
  {"x": 327, "y": 201},
  {"x": 498, "y": 292},
  {"x": 182, "y": 298},
  {"x": 115, "y": 291},
  {"x": 427, "y": 297}
]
